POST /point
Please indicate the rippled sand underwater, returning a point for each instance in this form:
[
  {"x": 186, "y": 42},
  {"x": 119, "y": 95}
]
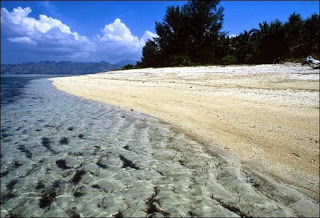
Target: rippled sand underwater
[{"x": 66, "y": 156}]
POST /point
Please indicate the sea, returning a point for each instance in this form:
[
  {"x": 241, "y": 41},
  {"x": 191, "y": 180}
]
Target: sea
[{"x": 65, "y": 156}]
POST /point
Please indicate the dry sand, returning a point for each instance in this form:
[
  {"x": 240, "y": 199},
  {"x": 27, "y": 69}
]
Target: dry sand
[{"x": 267, "y": 115}]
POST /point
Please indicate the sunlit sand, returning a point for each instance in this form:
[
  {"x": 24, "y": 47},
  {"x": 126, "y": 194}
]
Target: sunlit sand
[{"x": 267, "y": 116}]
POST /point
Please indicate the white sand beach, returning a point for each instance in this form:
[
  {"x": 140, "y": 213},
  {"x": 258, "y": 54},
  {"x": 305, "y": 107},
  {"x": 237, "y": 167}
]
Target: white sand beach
[{"x": 267, "y": 116}]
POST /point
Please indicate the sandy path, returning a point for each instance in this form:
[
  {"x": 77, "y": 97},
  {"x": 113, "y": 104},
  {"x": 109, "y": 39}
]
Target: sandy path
[{"x": 266, "y": 115}]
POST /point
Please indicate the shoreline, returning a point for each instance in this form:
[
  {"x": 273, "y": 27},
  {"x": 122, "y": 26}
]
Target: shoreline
[
  {"x": 265, "y": 115},
  {"x": 65, "y": 155}
]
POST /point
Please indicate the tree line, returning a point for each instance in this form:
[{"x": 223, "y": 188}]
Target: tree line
[{"x": 191, "y": 35}]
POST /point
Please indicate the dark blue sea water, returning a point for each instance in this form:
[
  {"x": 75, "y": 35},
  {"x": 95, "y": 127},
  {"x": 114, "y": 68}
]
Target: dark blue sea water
[{"x": 12, "y": 86}]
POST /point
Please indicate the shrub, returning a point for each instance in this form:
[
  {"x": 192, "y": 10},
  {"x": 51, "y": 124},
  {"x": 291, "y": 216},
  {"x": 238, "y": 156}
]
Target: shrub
[
  {"x": 180, "y": 60},
  {"x": 229, "y": 59},
  {"x": 127, "y": 67}
]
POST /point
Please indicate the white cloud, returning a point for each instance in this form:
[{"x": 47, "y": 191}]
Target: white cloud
[
  {"x": 146, "y": 36},
  {"x": 47, "y": 35},
  {"x": 232, "y": 36},
  {"x": 43, "y": 32},
  {"x": 119, "y": 41},
  {"x": 119, "y": 33},
  {"x": 23, "y": 39}
]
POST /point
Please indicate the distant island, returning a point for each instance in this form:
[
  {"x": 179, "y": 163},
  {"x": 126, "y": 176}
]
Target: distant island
[
  {"x": 58, "y": 68},
  {"x": 126, "y": 62}
]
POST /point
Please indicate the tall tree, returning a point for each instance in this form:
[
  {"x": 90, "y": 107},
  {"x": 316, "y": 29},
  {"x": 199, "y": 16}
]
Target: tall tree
[
  {"x": 294, "y": 33},
  {"x": 311, "y": 35},
  {"x": 189, "y": 34},
  {"x": 150, "y": 55},
  {"x": 192, "y": 34}
]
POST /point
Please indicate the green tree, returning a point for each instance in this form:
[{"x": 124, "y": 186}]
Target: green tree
[
  {"x": 294, "y": 33},
  {"x": 188, "y": 34},
  {"x": 204, "y": 21},
  {"x": 274, "y": 45},
  {"x": 192, "y": 34},
  {"x": 150, "y": 55},
  {"x": 311, "y": 35}
]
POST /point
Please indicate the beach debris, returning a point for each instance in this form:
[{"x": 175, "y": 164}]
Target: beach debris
[
  {"x": 23, "y": 149},
  {"x": 118, "y": 215},
  {"x": 6, "y": 197},
  {"x": 96, "y": 150},
  {"x": 96, "y": 186},
  {"x": 102, "y": 165},
  {"x": 46, "y": 143},
  {"x": 182, "y": 163},
  {"x": 315, "y": 64},
  {"x": 72, "y": 213},
  {"x": 78, "y": 176},
  {"x": 16, "y": 164},
  {"x": 4, "y": 173},
  {"x": 13, "y": 215},
  {"x": 230, "y": 207},
  {"x": 64, "y": 141},
  {"x": 152, "y": 208},
  {"x": 79, "y": 192},
  {"x": 11, "y": 184},
  {"x": 295, "y": 154},
  {"x": 61, "y": 163},
  {"x": 57, "y": 184},
  {"x": 40, "y": 185},
  {"x": 191, "y": 213},
  {"x": 47, "y": 198},
  {"x": 4, "y": 135},
  {"x": 128, "y": 163},
  {"x": 49, "y": 126}
]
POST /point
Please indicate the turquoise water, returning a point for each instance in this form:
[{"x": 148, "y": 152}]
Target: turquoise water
[{"x": 64, "y": 156}]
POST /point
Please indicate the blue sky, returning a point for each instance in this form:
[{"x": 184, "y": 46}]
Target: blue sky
[{"x": 110, "y": 30}]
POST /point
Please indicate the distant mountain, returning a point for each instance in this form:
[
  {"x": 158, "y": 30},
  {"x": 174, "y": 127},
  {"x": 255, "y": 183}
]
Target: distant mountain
[
  {"x": 126, "y": 62},
  {"x": 62, "y": 67}
]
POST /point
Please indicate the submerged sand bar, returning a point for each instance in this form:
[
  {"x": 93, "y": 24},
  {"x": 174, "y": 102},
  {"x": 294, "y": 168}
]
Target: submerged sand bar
[{"x": 266, "y": 115}]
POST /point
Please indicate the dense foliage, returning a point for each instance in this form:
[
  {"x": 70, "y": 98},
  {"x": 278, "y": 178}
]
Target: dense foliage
[
  {"x": 191, "y": 35},
  {"x": 188, "y": 35}
]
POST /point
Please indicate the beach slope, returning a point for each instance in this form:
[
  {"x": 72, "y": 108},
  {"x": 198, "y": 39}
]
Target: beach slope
[{"x": 266, "y": 115}]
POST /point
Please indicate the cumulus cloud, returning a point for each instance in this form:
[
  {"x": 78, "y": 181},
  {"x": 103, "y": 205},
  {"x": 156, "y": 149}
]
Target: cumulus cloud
[
  {"x": 146, "y": 36},
  {"x": 119, "y": 41},
  {"x": 23, "y": 39},
  {"x": 117, "y": 32},
  {"x": 45, "y": 32},
  {"x": 47, "y": 35}
]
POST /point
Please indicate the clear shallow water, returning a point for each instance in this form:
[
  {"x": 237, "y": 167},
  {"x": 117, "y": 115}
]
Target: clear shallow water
[
  {"x": 66, "y": 156},
  {"x": 12, "y": 86}
]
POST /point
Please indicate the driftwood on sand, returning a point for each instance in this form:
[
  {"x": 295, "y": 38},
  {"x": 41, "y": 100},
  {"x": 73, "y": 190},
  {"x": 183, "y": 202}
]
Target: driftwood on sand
[{"x": 315, "y": 64}]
